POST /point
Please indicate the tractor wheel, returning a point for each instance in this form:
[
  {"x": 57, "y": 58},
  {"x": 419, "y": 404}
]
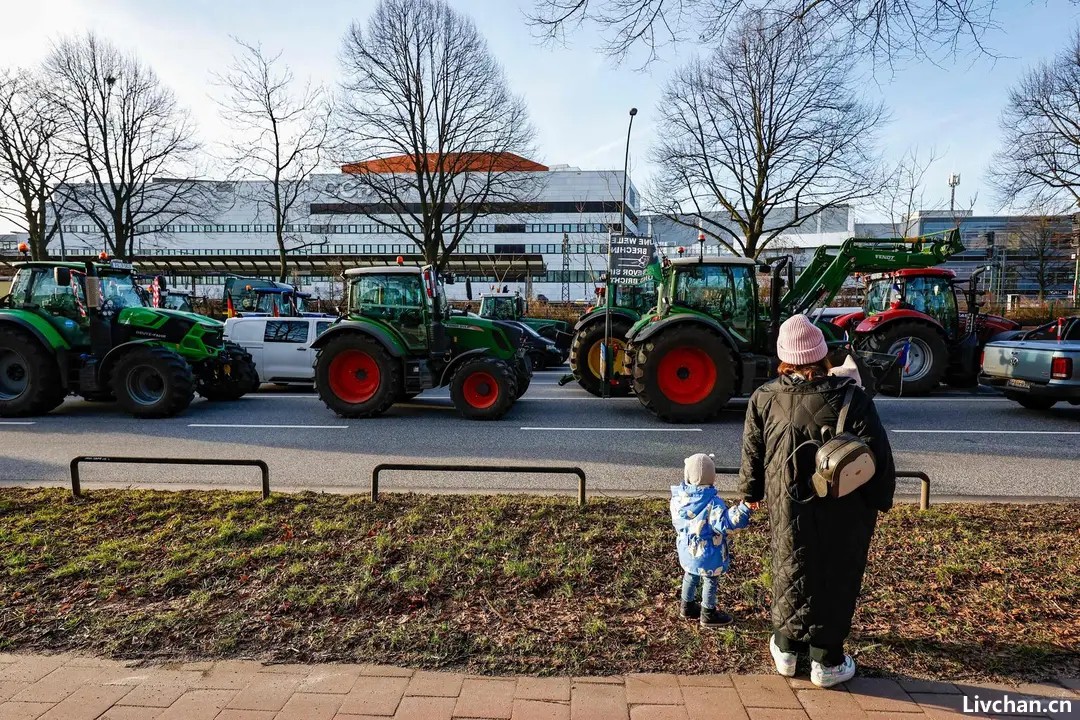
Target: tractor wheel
[
  {"x": 29, "y": 376},
  {"x": 242, "y": 379},
  {"x": 153, "y": 382},
  {"x": 483, "y": 389},
  {"x": 1032, "y": 402},
  {"x": 585, "y": 357},
  {"x": 523, "y": 376},
  {"x": 928, "y": 358},
  {"x": 687, "y": 374},
  {"x": 356, "y": 377}
]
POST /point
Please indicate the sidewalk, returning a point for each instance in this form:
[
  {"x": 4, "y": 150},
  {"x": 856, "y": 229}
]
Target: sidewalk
[{"x": 66, "y": 687}]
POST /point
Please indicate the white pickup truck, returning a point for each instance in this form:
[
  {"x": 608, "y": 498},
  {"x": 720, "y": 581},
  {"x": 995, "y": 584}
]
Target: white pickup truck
[
  {"x": 281, "y": 347},
  {"x": 1039, "y": 368}
]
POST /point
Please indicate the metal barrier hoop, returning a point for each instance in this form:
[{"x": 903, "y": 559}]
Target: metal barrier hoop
[{"x": 76, "y": 484}]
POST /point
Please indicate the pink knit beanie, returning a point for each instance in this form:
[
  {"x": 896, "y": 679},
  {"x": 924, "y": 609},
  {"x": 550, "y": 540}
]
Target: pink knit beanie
[{"x": 800, "y": 342}]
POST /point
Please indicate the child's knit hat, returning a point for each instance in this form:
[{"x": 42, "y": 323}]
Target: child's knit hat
[{"x": 699, "y": 470}]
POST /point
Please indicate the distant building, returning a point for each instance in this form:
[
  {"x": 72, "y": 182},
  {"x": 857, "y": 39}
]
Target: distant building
[{"x": 559, "y": 237}]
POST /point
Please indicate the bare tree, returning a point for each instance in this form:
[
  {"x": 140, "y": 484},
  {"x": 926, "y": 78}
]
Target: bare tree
[
  {"x": 886, "y": 31},
  {"x": 767, "y": 121},
  {"x": 31, "y": 161},
  {"x": 1043, "y": 244},
  {"x": 904, "y": 190},
  {"x": 280, "y": 129},
  {"x": 1039, "y": 160},
  {"x": 125, "y": 135},
  {"x": 422, "y": 84}
]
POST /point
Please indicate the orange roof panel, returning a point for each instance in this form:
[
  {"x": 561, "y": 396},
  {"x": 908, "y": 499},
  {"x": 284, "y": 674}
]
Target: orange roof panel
[{"x": 452, "y": 162}]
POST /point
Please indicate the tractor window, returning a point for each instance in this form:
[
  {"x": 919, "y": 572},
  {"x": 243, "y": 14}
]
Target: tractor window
[
  {"x": 933, "y": 296},
  {"x": 120, "y": 291},
  {"x": 20, "y": 285},
  {"x": 745, "y": 305},
  {"x": 880, "y": 295},
  {"x": 396, "y": 291},
  {"x": 498, "y": 308},
  {"x": 708, "y": 288},
  {"x": 286, "y": 331}
]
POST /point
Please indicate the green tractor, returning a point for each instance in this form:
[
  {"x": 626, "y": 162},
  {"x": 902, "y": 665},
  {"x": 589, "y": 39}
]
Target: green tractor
[
  {"x": 399, "y": 339},
  {"x": 87, "y": 329},
  {"x": 626, "y": 306},
  {"x": 504, "y": 306},
  {"x": 711, "y": 337}
]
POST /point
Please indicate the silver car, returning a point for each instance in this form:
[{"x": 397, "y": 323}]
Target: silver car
[{"x": 1039, "y": 368}]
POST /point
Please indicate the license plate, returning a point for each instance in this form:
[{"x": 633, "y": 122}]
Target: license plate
[{"x": 1019, "y": 384}]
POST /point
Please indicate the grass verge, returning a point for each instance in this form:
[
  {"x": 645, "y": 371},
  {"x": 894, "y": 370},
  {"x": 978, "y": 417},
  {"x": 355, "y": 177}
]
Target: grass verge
[{"x": 508, "y": 584}]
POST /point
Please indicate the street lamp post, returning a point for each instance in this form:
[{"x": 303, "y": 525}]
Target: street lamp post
[{"x": 609, "y": 364}]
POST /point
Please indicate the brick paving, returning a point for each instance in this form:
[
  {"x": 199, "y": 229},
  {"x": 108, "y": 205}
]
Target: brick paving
[{"x": 66, "y": 687}]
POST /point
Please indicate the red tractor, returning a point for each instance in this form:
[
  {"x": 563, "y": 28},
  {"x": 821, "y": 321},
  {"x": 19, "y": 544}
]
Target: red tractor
[{"x": 914, "y": 314}]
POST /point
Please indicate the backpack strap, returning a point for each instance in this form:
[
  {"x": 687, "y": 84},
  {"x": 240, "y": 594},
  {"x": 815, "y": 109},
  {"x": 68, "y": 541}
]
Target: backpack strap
[{"x": 841, "y": 421}]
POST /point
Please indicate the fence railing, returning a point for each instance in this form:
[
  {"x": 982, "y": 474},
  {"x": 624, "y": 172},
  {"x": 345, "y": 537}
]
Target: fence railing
[
  {"x": 76, "y": 481},
  {"x": 435, "y": 467}
]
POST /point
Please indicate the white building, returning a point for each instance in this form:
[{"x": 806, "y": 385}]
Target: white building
[{"x": 555, "y": 244}]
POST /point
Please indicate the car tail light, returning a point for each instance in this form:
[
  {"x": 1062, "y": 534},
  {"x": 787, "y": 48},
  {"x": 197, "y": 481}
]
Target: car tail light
[
  {"x": 982, "y": 358},
  {"x": 1061, "y": 368}
]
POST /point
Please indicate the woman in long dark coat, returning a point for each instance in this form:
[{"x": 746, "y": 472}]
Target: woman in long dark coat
[{"x": 819, "y": 544}]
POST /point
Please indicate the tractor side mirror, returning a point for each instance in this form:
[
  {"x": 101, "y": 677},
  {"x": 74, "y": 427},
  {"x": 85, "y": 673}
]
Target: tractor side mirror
[
  {"x": 764, "y": 268},
  {"x": 61, "y": 276},
  {"x": 448, "y": 279}
]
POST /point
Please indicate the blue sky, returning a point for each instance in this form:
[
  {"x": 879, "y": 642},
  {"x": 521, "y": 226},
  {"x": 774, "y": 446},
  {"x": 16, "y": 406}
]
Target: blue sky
[{"x": 577, "y": 98}]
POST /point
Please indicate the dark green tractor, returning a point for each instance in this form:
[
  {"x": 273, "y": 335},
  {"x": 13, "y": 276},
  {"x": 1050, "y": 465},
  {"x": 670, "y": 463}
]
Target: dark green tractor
[
  {"x": 504, "y": 306},
  {"x": 87, "y": 329},
  {"x": 399, "y": 339},
  {"x": 627, "y": 304}
]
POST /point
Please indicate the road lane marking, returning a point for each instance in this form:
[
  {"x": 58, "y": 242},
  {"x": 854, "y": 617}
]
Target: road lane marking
[
  {"x": 289, "y": 427},
  {"x": 18, "y": 422},
  {"x": 611, "y": 429},
  {"x": 992, "y": 432}
]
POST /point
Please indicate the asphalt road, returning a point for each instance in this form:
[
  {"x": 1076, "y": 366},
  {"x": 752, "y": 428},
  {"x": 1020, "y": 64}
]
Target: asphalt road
[{"x": 971, "y": 445}]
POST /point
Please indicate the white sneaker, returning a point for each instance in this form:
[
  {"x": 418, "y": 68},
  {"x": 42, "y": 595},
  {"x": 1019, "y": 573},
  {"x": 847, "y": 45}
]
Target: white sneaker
[
  {"x": 826, "y": 676},
  {"x": 785, "y": 661}
]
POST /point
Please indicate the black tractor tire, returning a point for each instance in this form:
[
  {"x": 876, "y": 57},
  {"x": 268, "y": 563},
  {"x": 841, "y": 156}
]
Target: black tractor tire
[
  {"x": 30, "y": 382},
  {"x": 244, "y": 378},
  {"x": 587, "y": 341},
  {"x": 153, "y": 382},
  {"x": 483, "y": 389},
  {"x": 1032, "y": 402},
  {"x": 685, "y": 374},
  {"x": 356, "y": 376},
  {"x": 524, "y": 372},
  {"x": 932, "y": 343}
]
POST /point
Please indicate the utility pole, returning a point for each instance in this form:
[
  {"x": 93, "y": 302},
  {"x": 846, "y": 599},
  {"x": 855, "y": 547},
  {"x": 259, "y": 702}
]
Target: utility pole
[
  {"x": 954, "y": 180},
  {"x": 608, "y": 361}
]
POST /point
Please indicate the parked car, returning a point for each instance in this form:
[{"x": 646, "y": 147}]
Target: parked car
[
  {"x": 281, "y": 347},
  {"x": 543, "y": 351},
  {"x": 1038, "y": 369}
]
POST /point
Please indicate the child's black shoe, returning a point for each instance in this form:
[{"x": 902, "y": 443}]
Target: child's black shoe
[
  {"x": 690, "y": 610},
  {"x": 711, "y": 617}
]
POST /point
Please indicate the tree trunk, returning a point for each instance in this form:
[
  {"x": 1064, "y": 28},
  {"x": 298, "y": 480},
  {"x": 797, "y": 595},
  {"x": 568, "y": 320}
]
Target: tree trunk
[{"x": 283, "y": 260}]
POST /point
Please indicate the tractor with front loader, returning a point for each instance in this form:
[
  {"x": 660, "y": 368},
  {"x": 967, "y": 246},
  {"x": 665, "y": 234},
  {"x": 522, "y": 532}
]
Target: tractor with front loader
[
  {"x": 399, "y": 339},
  {"x": 711, "y": 338},
  {"x": 87, "y": 329}
]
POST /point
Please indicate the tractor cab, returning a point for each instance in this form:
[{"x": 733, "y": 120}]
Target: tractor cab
[
  {"x": 502, "y": 306},
  {"x": 928, "y": 291},
  {"x": 405, "y": 298},
  {"x": 723, "y": 288}
]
